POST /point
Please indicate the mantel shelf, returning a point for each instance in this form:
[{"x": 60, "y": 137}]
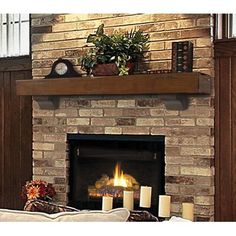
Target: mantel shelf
[{"x": 141, "y": 84}]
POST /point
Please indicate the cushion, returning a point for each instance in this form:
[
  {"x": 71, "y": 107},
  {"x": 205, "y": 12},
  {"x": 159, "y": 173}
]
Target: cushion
[
  {"x": 115, "y": 215},
  {"x": 46, "y": 207},
  {"x": 136, "y": 215},
  {"x": 178, "y": 219}
]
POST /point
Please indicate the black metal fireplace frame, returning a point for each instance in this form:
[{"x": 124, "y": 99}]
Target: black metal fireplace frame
[{"x": 74, "y": 138}]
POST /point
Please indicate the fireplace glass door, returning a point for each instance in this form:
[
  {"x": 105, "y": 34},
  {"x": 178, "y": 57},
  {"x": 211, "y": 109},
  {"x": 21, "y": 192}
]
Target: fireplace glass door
[{"x": 106, "y": 165}]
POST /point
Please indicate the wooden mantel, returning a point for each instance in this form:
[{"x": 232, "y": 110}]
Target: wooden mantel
[{"x": 174, "y": 84}]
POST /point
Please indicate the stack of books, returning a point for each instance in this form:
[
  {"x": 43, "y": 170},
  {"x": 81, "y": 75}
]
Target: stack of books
[{"x": 182, "y": 56}]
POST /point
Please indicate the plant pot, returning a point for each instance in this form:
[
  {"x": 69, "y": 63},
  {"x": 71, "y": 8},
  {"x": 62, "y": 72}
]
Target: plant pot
[
  {"x": 105, "y": 69},
  {"x": 110, "y": 69}
]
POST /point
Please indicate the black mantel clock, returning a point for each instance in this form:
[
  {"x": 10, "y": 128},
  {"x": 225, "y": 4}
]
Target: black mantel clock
[{"x": 62, "y": 68}]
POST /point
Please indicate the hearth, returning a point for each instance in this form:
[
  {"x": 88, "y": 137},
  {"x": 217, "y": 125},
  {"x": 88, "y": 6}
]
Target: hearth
[{"x": 103, "y": 165}]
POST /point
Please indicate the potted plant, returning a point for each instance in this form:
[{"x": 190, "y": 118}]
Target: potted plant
[{"x": 114, "y": 54}]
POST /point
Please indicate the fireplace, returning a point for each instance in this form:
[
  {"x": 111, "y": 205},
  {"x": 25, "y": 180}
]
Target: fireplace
[{"x": 96, "y": 159}]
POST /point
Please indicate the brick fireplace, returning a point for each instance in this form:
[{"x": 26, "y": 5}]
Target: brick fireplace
[{"x": 189, "y": 140}]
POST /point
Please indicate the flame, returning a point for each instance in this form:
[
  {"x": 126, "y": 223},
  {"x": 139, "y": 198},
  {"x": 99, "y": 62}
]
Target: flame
[{"x": 119, "y": 179}]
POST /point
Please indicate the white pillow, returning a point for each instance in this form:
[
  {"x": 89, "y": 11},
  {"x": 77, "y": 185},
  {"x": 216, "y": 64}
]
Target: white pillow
[
  {"x": 115, "y": 215},
  {"x": 178, "y": 219}
]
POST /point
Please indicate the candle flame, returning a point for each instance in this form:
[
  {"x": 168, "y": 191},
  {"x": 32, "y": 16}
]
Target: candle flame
[{"x": 119, "y": 178}]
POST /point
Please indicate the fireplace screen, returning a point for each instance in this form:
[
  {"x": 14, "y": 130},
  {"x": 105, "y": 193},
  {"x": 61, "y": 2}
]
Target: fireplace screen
[{"x": 106, "y": 165}]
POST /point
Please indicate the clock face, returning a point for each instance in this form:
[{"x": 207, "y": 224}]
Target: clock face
[{"x": 61, "y": 68}]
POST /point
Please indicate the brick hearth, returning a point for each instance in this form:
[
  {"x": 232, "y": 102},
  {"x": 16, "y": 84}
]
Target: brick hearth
[{"x": 189, "y": 139}]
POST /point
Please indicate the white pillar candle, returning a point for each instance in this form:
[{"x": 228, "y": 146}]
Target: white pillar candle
[
  {"x": 107, "y": 203},
  {"x": 128, "y": 200},
  {"x": 164, "y": 206},
  {"x": 187, "y": 211},
  {"x": 145, "y": 196}
]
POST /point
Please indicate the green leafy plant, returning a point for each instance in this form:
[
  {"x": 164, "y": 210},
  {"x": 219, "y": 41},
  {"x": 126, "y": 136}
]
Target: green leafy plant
[{"x": 118, "y": 48}]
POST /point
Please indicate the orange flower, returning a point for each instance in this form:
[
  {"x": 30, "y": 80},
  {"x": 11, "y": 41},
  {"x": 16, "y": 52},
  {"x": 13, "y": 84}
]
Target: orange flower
[{"x": 33, "y": 192}]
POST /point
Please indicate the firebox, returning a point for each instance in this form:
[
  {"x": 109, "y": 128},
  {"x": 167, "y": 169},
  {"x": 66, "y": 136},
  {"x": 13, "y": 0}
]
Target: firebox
[{"x": 103, "y": 165}]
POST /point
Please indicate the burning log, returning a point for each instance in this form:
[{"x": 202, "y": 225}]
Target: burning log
[{"x": 114, "y": 186}]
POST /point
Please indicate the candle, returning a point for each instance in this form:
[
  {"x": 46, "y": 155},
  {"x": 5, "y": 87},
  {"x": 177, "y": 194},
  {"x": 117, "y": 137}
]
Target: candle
[
  {"x": 128, "y": 200},
  {"x": 164, "y": 206},
  {"x": 107, "y": 203},
  {"x": 187, "y": 211},
  {"x": 145, "y": 196}
]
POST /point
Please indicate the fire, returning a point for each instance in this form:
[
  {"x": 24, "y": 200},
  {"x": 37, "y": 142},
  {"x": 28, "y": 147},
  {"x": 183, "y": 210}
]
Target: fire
[{"x": 119, "y": 178}]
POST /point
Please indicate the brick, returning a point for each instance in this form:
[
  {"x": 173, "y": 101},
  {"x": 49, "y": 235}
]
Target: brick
[
  {"x": 203, "y": 42},
  {"x": 41, "y": 30},
  {"x": 60, "y": 180},
  {"x": 159, "y": 131},
  {"x": 157, "y": 112},
  {"x": 38, "y": 137},
  {"x": 199, "y": 151},
  {"x": 103, "y": 121},
  {"x": 78, "y": 121},
  {"x": 203, "y": 21},
  {"x": 187, "y": 189},
  {"x": 156, "y": 46},
  {"x": 204, "y": 200},
  {"x": 183, "y": 160},
  {"x": 172, "y": 170},
  {"x": 38, "y": 171},
  {"x": 148, "y": 102},
  {"x": 204, "y": 210},
  {"x": 77, "y": 103},
  {"x": 150, "y": 122},
  {"x": 42, "y": 113},
  {"x": 74, "y": 52},
  {"x": 175, "y": 207},
  {"x": 179, "y": 122},
  {"x": 171, "y": 188},
  {"x": 179, "y": 198},
  {"x": 204, "y": 181},
  {"x": 180, "y": 141},
  {"x": 48, "y": 19},
  {"x": 91, "y": 112},
  {"x": 204, "y": 190},
  {"x": 49, "y": 179},
  {"x": 126, "y": 103},
  {"x": 55, "y": 171},
  {"x": 192, "y": 170},
  {"x": 90, "y": 130},
  {"x": 60, "y": 147},
  {"x": 42, "y": 163},
  {"x": 125, "y": 121},
  {"x": 171, "y": 113},
  {"x": 42, "y": 63},
  {"x": 55, "y": 138},
  {"x": 135, "y": 112},
  {"x": 53, "y": 121},
  {"x": 37, "y": 154},
  {"x": 113, "y": 112},
  {"x": 43, "y": 146},
  {"x": 172, "y": 151},
  {"x": 197, "y": 111},
  {"x": 113, "y": 130},
  {"x": 135, "y": 130},
  {"x": 203, "y": 53},
  {"x": 186, "y": 180},
  {"x": 60, "y": 188},
  {"x": 204, "y": 162},
  {"x": 205, "y": 122},
  {"x": 103, "y": 103},
  {"x": 60, "y": 163},
  {"x": 161, "y": 55},
  {"x": 66, "y": 113}
]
